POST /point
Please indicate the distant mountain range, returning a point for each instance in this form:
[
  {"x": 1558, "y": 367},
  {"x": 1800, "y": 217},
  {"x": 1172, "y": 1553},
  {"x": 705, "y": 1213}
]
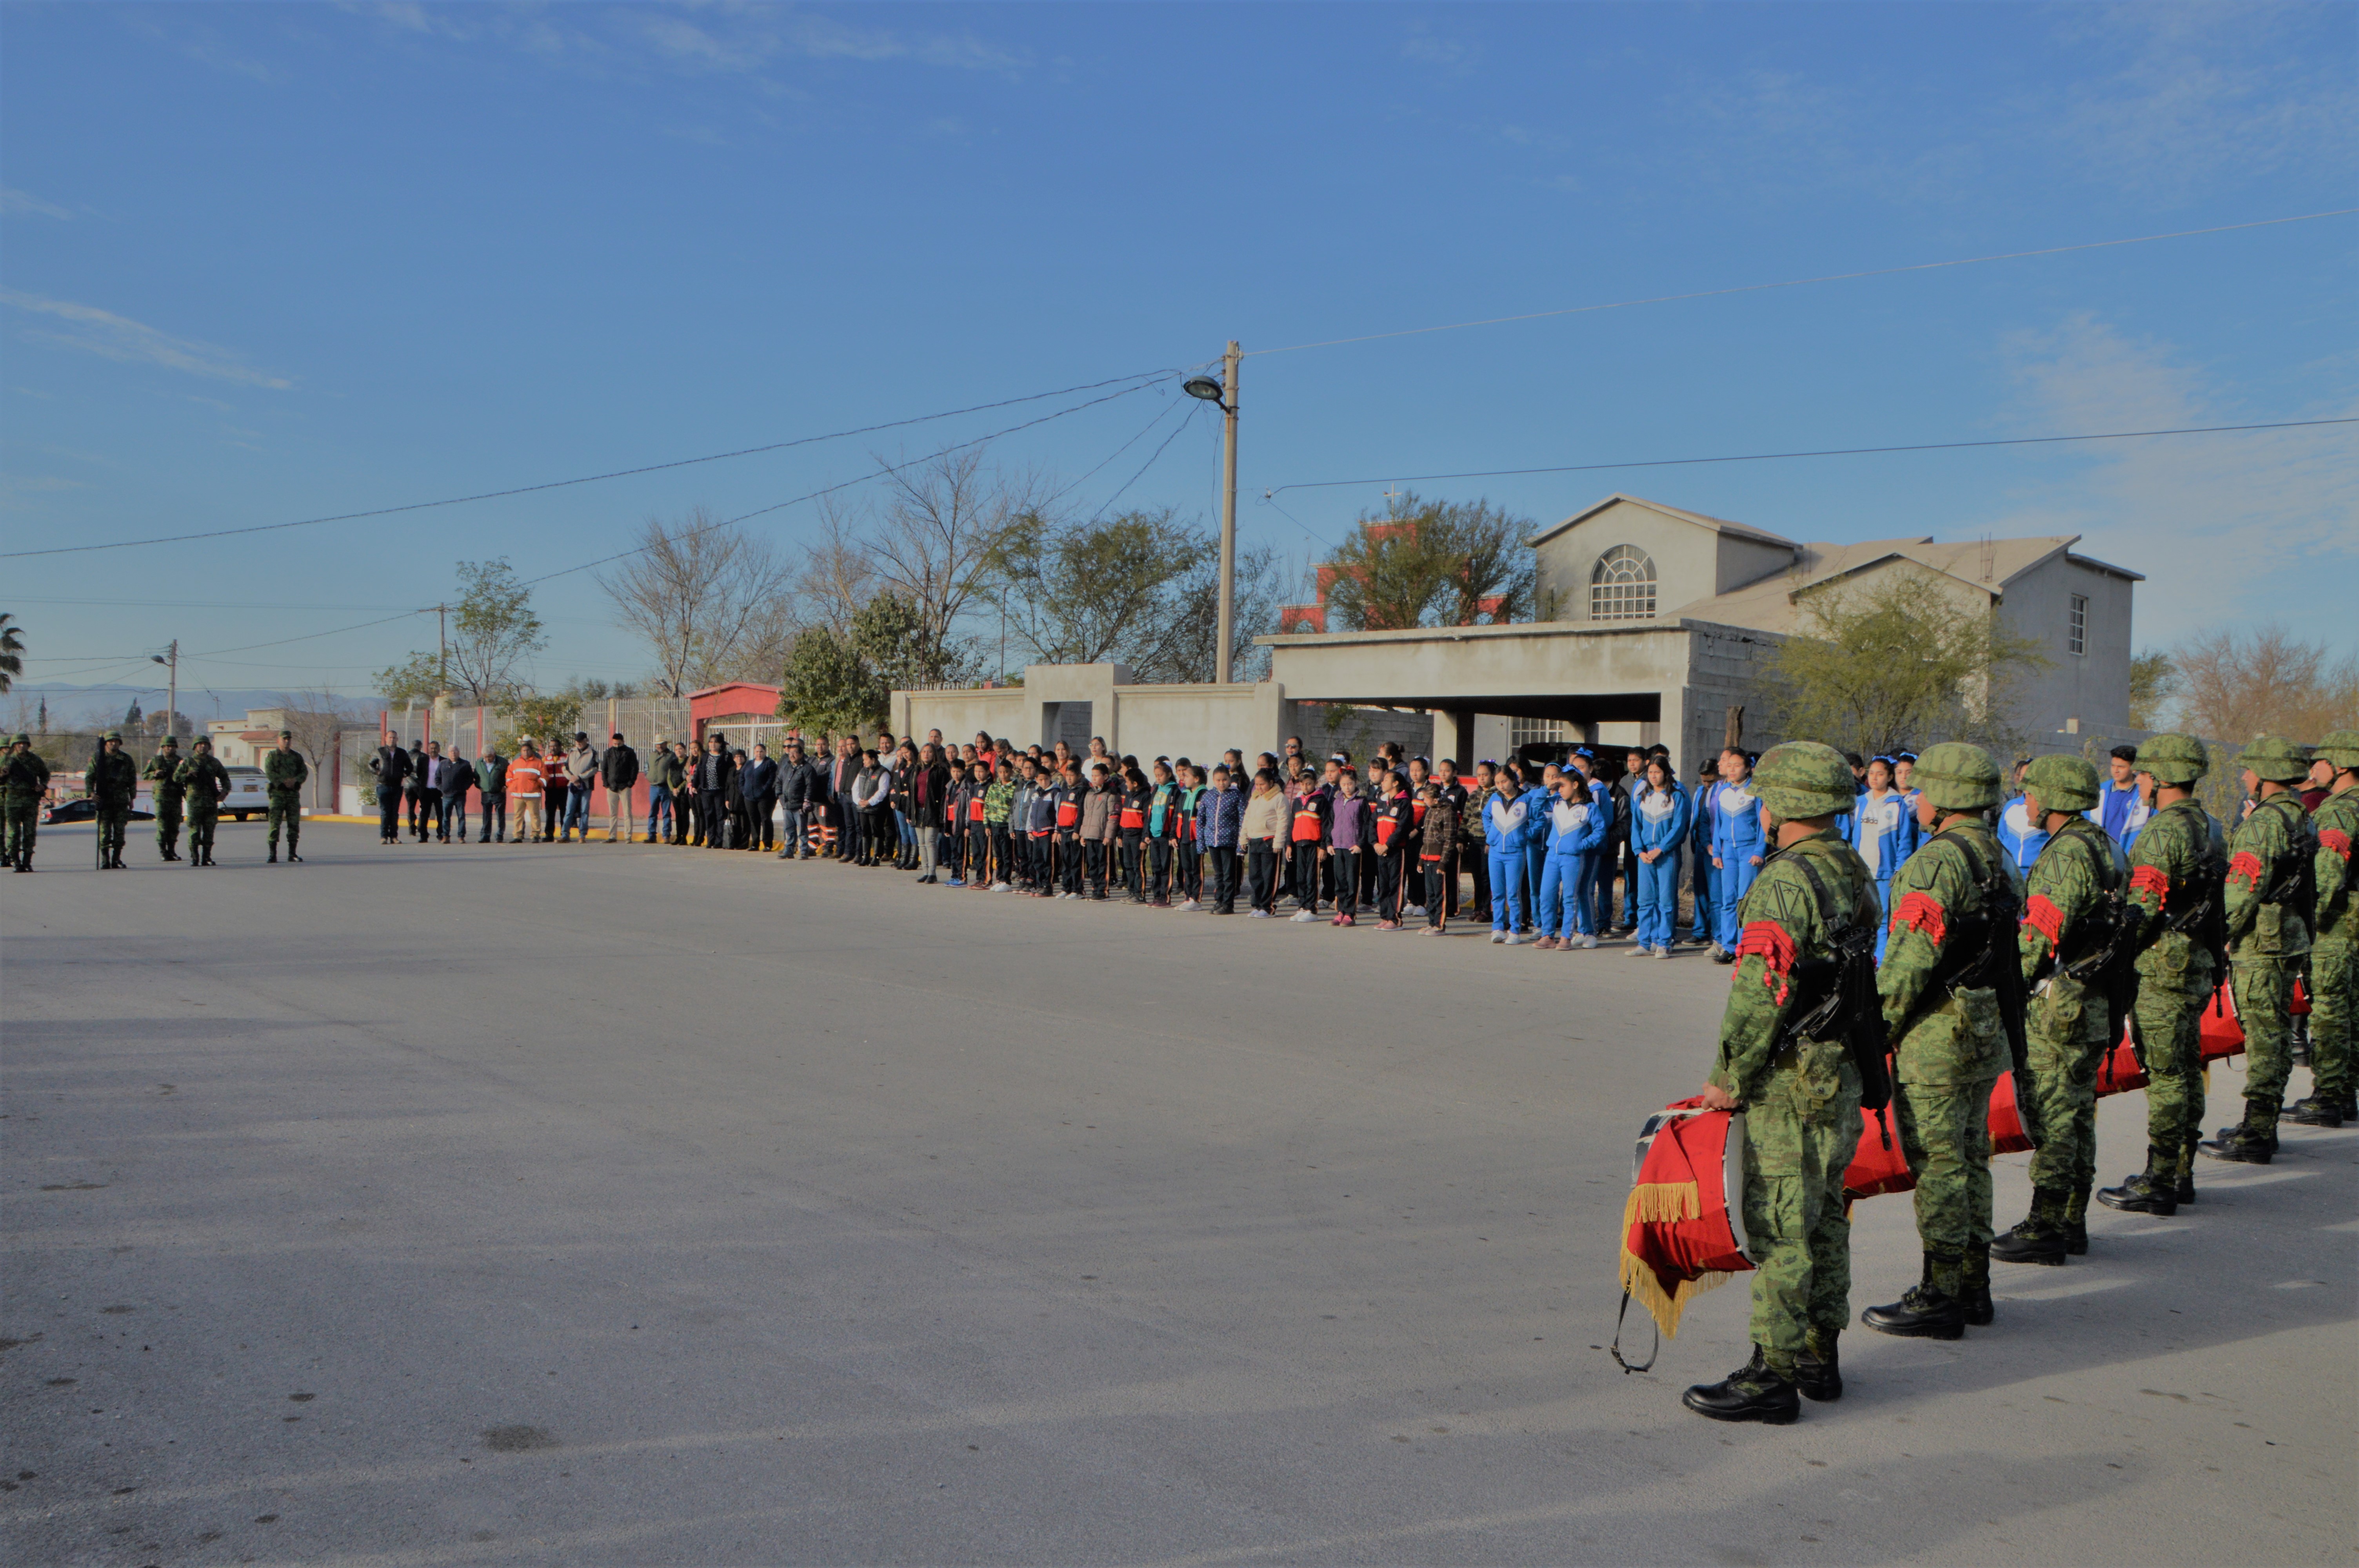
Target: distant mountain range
[{"x": 70, "y": 705}]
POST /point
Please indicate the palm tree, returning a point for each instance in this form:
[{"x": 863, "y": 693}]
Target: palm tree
[{"x": 12, "y": 652}]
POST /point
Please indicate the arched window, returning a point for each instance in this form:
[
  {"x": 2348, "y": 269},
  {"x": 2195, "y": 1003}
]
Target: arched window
[{"x": 1622, "y": 586}]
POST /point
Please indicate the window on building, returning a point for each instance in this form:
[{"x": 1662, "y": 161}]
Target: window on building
[
  {"x": 1538, "y": 732},
  {"x": 2078, "y": 635},
  {"x": 1622, "y": 585}
]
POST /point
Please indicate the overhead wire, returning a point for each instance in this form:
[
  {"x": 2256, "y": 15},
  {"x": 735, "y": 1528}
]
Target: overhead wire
[
  {"x": 1802, "y": 282},
  {"x": 1150, "y": 463},
  {"x": 1142, "y": 376},
  {"x": 1825, "y": 452}
]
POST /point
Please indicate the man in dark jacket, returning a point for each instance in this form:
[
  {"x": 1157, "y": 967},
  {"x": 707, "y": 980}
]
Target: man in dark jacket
[
  {"x": 457, "y": 778},
  {"x": 414, "y": 787},
  {"x": 715, "y": 781},
  {"x": 842, "y": 773},
  {"x": 795, "y": 798},
  {"x": 758, "y": 787},
  {"x": 618, "y": 774},
  {"x": 391, "y": 766},
  {"x": 492, "y": 783}
]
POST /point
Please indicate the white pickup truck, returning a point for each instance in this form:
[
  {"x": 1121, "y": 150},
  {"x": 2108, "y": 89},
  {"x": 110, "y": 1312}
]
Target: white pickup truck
[{"x": 247, "y": 795}]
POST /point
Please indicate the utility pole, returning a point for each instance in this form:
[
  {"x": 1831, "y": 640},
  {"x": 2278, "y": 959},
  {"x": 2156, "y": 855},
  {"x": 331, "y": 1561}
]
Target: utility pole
[
  {"x": 171, "y": 662},
  {"x": 1227, "y": 633},
  {"x": 442, "y": 649}
]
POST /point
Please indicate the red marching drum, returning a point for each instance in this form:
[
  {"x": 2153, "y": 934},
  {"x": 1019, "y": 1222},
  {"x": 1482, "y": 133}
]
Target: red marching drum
[{"x": 1683, "y": 1227}]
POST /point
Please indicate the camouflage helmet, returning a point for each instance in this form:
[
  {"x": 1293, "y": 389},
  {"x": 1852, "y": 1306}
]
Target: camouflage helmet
[
  {"x": 22, "y": 740},
  {"x": 1957, "y": 775},
  {"x": 169, "y": 740},
  {"x": 1803, "y": 779},
  {"x": 2275, "y": 760},
  {"x": 111, "y": 735},
  {"x": 2341, "y": 749},
  {"x": 2175, "y": 760},
  {"x": 2061, "y": 782}
]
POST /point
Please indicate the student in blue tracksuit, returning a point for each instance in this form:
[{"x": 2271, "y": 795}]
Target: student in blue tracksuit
[
  {"x": 1886, "y": 832},
  {"x": 2017, "y": 828},
  {"x": 1660, "y": 815},
  {"x": 1699, "y": 849},
  {"x": 1575, "y": 825},
  {"x": 1738, "y": 847},
  {"x": 1503, "y": 847},
  {"x": 1538, "y": 796}
]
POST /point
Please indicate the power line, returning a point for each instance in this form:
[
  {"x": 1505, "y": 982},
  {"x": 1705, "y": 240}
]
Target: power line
[
  {"x": 1827, "y": 452},
  {"x": 1800, "y": 282},
  {"x": 1150, "y": 463},
  {"x": 585, "y": 478},
  {"x": 1161, "y": 414}
]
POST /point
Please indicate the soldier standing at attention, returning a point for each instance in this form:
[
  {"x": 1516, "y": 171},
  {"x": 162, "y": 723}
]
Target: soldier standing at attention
[
  {"x": 2066, "y": 919},
  {"x": 206, "y": 783},
  {"x": 113, "y": 783},
  {"x": 2271, "y": 863},
  {"x": 284, "y": 774},
  {"x": 2334, "y": 942},
  {"x": 1800, "y": 1096},
  {"x": 2175, "y": 870},
  {"x": 164, "y": 768},
  {"x": 1950, "y": 952},
  {"x": 23, "y": 780}
]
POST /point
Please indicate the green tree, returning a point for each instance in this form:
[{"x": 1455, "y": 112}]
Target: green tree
[
  {"x": 903, "y": 647},
  {"x": 12, "y": 652},
  {"x": 493, "y": 631},
  {"x": 827, "y": 685},
  {"x": 1431, "y": 563},
  {"x": 1899, "y": 662},
  {"x": 2154, "y": 681},
  {"x": 549, "y": 717},
  {"x": 1124, "y": 589}
]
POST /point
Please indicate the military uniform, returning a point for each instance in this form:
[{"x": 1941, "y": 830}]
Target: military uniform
[
  {"x": 2069, "y": 902},
  {"x": 1947, "y": 954},
  {"x": 163, "y": 770},
  {"x": 113, "y": 783},
  {"x": 2271, "y": 861},
  {"x": 2333, "y": 944},
  {"x": 1801, "y": 1096},
  {"x": 23, "y": 780},
  {"x": 206, "y": 783},
  {"x": 283, "y": 775}
]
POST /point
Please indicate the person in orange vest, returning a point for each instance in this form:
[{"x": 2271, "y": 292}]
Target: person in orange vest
[{"x": 528, "y": 779}]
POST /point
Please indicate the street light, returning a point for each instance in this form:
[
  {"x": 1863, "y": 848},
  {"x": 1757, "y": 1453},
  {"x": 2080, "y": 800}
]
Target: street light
[{"x": 1224, "y": 391}]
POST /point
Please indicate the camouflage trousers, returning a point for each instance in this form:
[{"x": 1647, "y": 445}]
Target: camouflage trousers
[
  {"x": 1801, "y": 1130},
  {"x": 2068, "y": 1043},
  {"x": 114, "y": 821},
  {"x": 2333, "y": 994},
  {"x": 24, "y": 827},
  {"x": 201, "y": 822},
  {"x": 1945, "y": 1135},
  {"x": 168, "y": 824},
  {"x": 2264, "y": 988},
  {"x": 2169, "y": 1031},
  {"x": 287, "y": 809}
]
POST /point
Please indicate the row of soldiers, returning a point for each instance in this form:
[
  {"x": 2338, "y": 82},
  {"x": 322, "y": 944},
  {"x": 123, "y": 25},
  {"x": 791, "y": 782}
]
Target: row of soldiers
[
  {"x": 193, "y": 786},
  {"x": 1987, "y": 972}
]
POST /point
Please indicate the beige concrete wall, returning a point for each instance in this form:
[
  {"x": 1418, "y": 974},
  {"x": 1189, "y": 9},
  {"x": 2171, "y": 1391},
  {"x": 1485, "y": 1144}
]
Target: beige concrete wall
[
  {"x": 1194, "y": 721},
  {"x": 2093, "y": 687},
  {"x": 1430, "y": 668},
  {"x": 958, "y": 714}
]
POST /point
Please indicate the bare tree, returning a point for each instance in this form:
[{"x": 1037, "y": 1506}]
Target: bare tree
[
  {"x": 316, "y": 718},
  {"x": 934, "y": 542},
  {"x": 2237, "y": 685},
  {"x": 713, "y": 601},
  {"x": 838, "y": 578}
]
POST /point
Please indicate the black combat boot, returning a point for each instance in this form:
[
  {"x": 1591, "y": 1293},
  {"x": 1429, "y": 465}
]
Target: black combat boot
[
  {"x": 2152, "y": 1191},
  {"x": 1817, "y": 1373},
  {"x": 1753, "y": 1392},
  {"x": 2076, "y": 1221},
  {"x": 1973, "y": 1288},
  {"x": 292, "y": 857},
  {"x": 1931, "y": 1310},
  {"x": 2314, "y": 1111},
  {"x": 2254, "y": 1142},
  {"x": 274, "y": 854},
  {"x": 2041, "y": 1238}
]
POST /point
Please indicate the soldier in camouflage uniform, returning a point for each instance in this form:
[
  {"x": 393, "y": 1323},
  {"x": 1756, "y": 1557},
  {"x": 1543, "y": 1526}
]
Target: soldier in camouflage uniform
[
  {"x": 2068, "y": 901},
  {"x": 2174, "y": 893},
  {"x": 163, "y": 770},
  {"x": 1940, "y": 978},
  {"x": 2333, "y": 944},
  {"x": 113, "y": 783},
  {"x": 283, "y": 775},
  {"x": 23, "y": 780},
  {"x": 1801, "y": 1098},
  {"x": 2271, "y": 861},
  {"x": 206, "y": 783}
]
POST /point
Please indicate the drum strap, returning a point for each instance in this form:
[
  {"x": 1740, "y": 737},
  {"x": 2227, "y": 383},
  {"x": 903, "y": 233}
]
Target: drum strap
[{"x": 1615, "y": 1349}]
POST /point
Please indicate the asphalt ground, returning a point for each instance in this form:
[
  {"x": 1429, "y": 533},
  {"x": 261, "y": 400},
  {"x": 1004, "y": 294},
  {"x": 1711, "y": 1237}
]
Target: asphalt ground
[{"x": 618, "y": 1203}]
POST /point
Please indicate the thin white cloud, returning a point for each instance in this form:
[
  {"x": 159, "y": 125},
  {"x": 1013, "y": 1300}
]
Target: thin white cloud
[
  {"x": 114, "y": 337},
  {"x": 199, "y": 44},
  {"x": 2223, "y": 527},
  {"x": 24, "y": 203}
]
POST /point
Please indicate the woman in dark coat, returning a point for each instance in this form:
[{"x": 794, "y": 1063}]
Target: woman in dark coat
[{"x": 929, "y": 797}]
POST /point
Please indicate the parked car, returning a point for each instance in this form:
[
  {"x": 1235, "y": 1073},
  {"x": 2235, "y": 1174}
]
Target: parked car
[
  {"x": 84, "y": 811},
  {"x": 247, "y": 795}
]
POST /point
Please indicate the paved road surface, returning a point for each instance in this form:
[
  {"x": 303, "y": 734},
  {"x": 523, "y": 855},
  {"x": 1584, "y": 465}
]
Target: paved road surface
[{"x": 621, "y": 1205}]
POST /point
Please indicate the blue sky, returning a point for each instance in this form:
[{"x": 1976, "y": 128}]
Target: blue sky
[{"x": 265, "y": 263}]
